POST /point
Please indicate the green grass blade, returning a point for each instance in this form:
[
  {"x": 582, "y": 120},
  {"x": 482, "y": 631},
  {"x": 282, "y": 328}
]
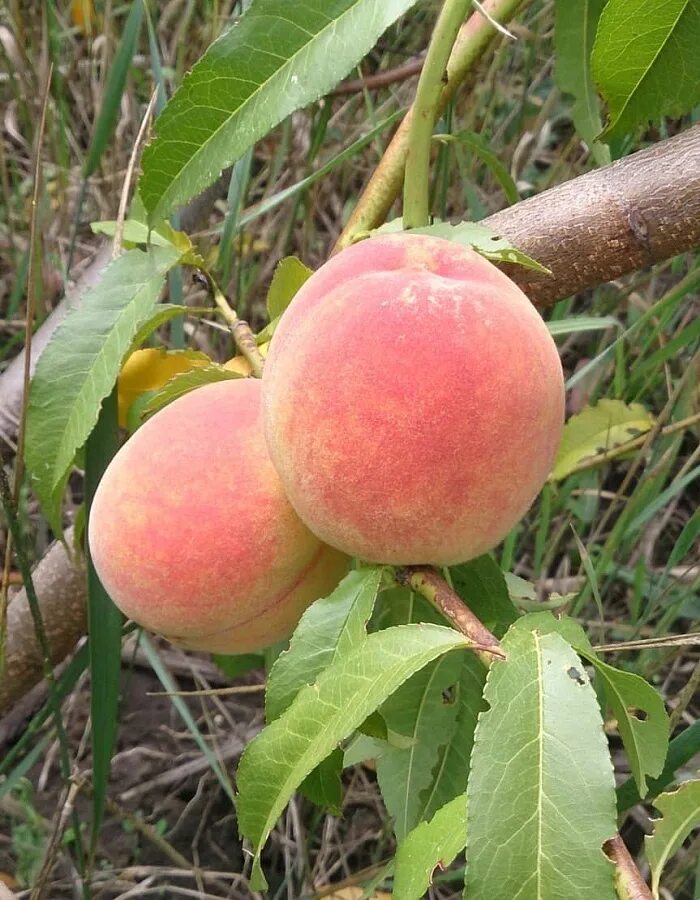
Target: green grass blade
[{"x": 104, "y": 626}]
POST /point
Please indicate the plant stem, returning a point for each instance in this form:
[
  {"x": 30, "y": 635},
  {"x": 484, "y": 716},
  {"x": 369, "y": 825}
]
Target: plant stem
[
  {"x": 629, "y": 883},
  {"x": 241, "y": 331},
  {"x": 475, "y": 37},
  {"x": 427, "y": 582},
  {"x": 416, "y": 207}
]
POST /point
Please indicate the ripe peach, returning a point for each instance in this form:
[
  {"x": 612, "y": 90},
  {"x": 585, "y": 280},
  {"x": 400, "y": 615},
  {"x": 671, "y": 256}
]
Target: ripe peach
[
  {"x": 413, "y": 401},
  {"x": 192, "y": 535}
]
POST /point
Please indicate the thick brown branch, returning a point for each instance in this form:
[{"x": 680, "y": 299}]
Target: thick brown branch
[
  {"x": 61, "y": 591},
  {"x": 637, "y": 211}
]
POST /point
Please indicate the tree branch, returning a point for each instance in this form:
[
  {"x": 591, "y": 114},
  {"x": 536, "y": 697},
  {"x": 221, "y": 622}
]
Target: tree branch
[{"x": 609, "y": 222}]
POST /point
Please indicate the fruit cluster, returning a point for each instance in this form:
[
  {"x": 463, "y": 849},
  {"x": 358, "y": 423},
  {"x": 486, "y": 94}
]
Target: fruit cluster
[{"x": 410, "y": 411}]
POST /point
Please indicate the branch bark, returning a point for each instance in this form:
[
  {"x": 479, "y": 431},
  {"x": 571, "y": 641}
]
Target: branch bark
[
  {"x": 60, "y": 585},
  {"x": 609, "y": 222}
]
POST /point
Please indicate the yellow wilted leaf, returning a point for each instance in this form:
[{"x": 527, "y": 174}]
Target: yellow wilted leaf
[
  {"x": 241, "y": 365},
  {"x": 150, "y": 369},
  {"x": 597, "y": 429},
  {"x": 83, "y": 15}
]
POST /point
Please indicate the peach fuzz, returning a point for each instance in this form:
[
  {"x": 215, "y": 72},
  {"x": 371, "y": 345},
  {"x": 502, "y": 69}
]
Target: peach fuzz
[
  {"x": 413, "y": 401},
  {"x": 192, "y": 535}
]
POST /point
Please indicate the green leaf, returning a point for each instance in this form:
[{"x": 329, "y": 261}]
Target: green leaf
[
  {"x": 541, "y": 794},
  {"x": 452, "y": 769},
  {"x": 135, "y": 232},
  {"x": 80, "y": 365},
  {"x": 431, "y": 844},
  {"x": 680, "y": 751},
  {"x": 482, "y": 586},
  {"x": 680, "y": 810},
  {"x": 422, "y": 711},
  {"x": 597, "y": 429},
  {"x": 329, "y": 628},
  {"x": 325, "y": 713},
  {"x": 645, "y": 737},
  {"x": 574, "y": 31},
  {"x": 248, "y": 81},
  {"x": 486, "y": 242},
  {"x": 481, "y": 148},
  {"x": 114, "y": 89},
  {"x": 185, "y": 382},
  {"x": 323, "y": 786},
  {"x": 645, "y": 61},
  {"x": 104, "y": 626},
  {"x": 289, "y": 276},
  {"x": 165, "y": 313},
  {"x": 233, "y": 665}
]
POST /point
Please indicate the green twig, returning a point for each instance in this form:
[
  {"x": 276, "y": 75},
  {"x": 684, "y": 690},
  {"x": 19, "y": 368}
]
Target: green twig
[
  {"x": 416, "y": 211},
  {"x": 242, "y": 335}
]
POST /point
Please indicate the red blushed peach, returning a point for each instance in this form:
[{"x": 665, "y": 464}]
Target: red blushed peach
[
  {"x": 413, "y": 401},
  {"x": 192, "y": 535}
]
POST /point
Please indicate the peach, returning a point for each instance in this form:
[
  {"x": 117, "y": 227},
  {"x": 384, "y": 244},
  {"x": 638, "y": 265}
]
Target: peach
[
  {"x": 413, "y": 401},
  {"x": 192, "y": 535}
]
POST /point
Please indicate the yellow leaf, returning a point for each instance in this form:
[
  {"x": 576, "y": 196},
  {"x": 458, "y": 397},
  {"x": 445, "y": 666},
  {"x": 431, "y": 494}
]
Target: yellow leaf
[
  {"x": 241, "y": 365},
  {"x": 597, "y": 429},
  {"x": 83, "y": 15},
  {"x": 150, "y": 369}
]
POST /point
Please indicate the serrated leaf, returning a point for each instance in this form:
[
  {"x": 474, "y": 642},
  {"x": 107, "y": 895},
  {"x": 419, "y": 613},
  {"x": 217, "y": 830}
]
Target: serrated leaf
[
  {"x": 597, "y": 429},
  {"x": 452, "y": 770},
  {"x": 680, "y": 811},
  {"x": 136, "y": 232},
  {"x": 482, "y": 239},
  {"x": 541, "y": 793},
  {"x": 429, "y": 845},
  {"x": 575, "y": 27},
  {"x": 322, "y": 715},
  {"x": 248, "y": 81},
  {"x": 482, "y": 586},
  {"x": 150, "y": 369},
  {"x": 419, "y": 712},
  {"x": 289, "y": 276},
  {"x": 361, "y": 748},
  {"x": 184, "y": 383},
  {"x": 645, "y": 737},
  {"x": 79, "y": 367},
  {"x": 329, "y": 628},
  {"x": 164, "y": 313},
  {"x": 645, "y": 61}
]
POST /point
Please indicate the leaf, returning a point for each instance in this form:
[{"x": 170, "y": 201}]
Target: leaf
[
  {"x": 322, "y": 715},
  {"x": 680, "y": 751},
  {"x": 574, "y": 31},
  {"x": 329, "y": 628},
  {"x": 429, "y": 845},
  {"x": 164, "y": 313},
  {"x": 482, "y": 586},
  {"x": 645, "y": 737},
  {"x": 419, "y": 712},
  {"x": 323, "y": 786},
  {"x": 541, "y": 794},
  {"x": 248, "y": 81},
  {"x": 289, "y": 276},
  {"x": 484, "y": 241},
  {"x": 151, "y": 369},
  {"x": 597, "y": 429},
  {"x": 79, "y": 367},
  {"x": 680, "y": 810},
  {"x": 452, "y": 769},
  {"x": 136, "y": 232},
  {"x": 480, "y": 147},
  {"x": 184, "y": 383},
  {"x": 645, "y": 61}
]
